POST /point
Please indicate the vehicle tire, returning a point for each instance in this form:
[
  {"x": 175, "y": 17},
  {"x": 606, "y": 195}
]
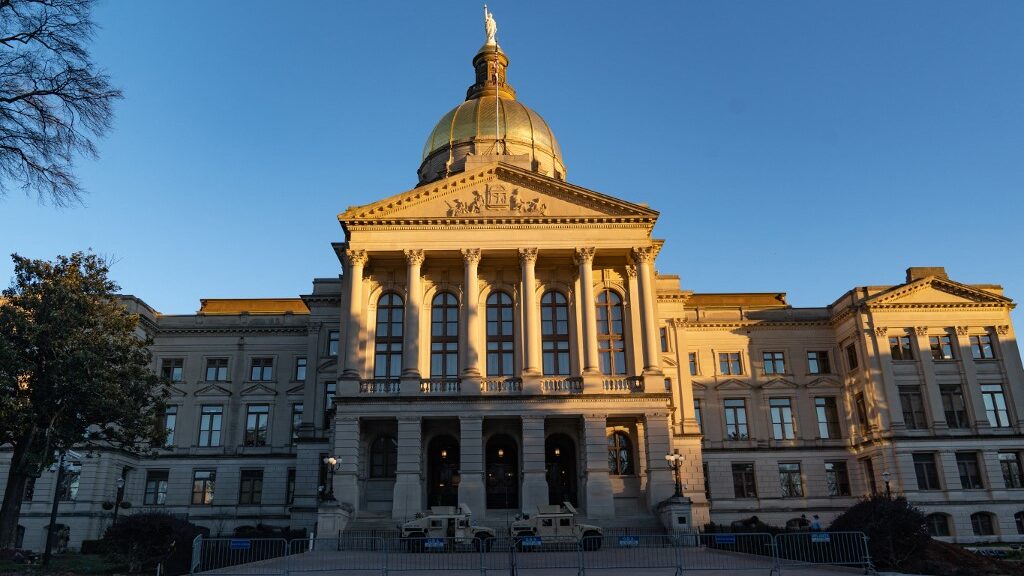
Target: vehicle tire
[
  {"x": 415, "y": 543},
  {"x": 591, "y": 541}
]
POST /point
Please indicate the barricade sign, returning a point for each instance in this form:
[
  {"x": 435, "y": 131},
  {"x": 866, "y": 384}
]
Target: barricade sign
[
  {"x": 434, "y": 544},
  {"x": 629, "y": 541},
  {"x": 820, "y": 537},
  {"x": 531, "y": 542},
  {"x": 721, "y": 539},
  {"x": 237, "y": 544}
]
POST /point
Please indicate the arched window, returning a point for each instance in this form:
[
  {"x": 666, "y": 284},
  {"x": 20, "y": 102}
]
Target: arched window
[
  {"x": 444, "y": 337},
  {"x": 500, "y": 343},
  {"x": 620, "y": 454},
  {"x": 383, "y": 457},
  {"x": 610, "y": 346},
  {"x": 387, "y": 360},
  {"x": 1018, "y": 518},
  {"x": 938, "y": 524},
  {"x": 554, "y": 330},
  {"x": 982, "y": 524}
]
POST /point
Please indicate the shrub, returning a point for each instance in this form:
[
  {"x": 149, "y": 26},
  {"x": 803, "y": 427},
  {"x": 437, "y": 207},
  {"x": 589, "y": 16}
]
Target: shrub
[
  {"x": 92, "y": 547},
  {"x": 144, "y": 540},
  {"x": 895, "y": 529}
]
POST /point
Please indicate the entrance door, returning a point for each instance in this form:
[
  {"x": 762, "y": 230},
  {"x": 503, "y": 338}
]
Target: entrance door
[
  {"x": 560, "y": 463},
  {"x": 502, "y": 472},
  {"x": 443, "y": 472}
]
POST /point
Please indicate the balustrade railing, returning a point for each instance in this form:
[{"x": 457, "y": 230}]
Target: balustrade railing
[
  {"x": 503, "y": 385},
  {"x": 379, "y": 386},
  {"x": 572, "y": 385},
  {"x": 440, "y": 386}
]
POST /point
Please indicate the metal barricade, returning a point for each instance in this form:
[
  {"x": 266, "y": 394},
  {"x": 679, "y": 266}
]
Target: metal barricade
[
  {"x": 654, "y": 554},
  {"x": 197, "y": 551},
  {"x": 245, "y": 556},
  {"x": 355, "y": 556},
  {"x": 823, "y": 548},
  {"x": 731, "y": 552},
  {"x": 453, "y": 556},
  {"x": 552, "y": 555}
]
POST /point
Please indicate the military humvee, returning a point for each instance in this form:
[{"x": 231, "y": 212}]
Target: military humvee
[
  {"x": 556, "y": 523},
  {"x": 446, "y": 527}
]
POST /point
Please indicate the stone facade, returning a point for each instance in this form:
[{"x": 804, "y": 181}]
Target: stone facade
[{"x": 502, "y": 338}]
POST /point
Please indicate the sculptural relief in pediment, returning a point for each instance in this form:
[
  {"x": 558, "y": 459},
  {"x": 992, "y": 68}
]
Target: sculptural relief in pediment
[{"x": 498, "y": 200}]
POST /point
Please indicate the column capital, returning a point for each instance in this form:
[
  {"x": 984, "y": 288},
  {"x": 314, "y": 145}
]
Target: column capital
[
  {"x": 631, "y": 270},
  {"x": 962, "y": 330},
  {"x": 920, "y": 330},
  {"x": 471, "y": 254},
  {"x": 528, "y": 255},
  {"x": 584, "y": 255},
  {"x": 881, "y": 331},
  {"x": 1003, "y": 329},
  {"x": 414, "y": 256},
  {"x": 313, "y": 328},
  {"x": 643, "y": 254},
  {"x": 356, "y": 257}
]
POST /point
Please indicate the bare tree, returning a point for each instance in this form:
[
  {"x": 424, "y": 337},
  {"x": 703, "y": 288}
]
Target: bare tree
[{"x": 53, "y": 100}]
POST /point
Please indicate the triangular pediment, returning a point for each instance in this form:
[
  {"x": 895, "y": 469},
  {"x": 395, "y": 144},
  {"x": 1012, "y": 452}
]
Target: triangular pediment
[
  {"x": 733, "y": 384},
  {"x": 498, "y": 192},
  {"x": 213, "y": 390},
  {"x": 935, "y": 290},
  {"x": 298, "y": 390},
  {"x": 259, "y": 390},
  {"x": 175, "y": 391},
  {"x": 824, "y": 382},
  {"x": 778, "y": 383},
  {"x": 698, "y": 386}
]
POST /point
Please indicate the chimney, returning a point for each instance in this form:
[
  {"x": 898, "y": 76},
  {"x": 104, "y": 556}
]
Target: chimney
[{"x": 918, "y": 272}]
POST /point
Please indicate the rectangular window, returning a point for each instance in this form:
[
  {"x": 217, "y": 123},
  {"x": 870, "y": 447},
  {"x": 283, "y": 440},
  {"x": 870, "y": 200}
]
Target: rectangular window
[
  {"x": 256, "y": 419},
  {"x": 743, "y": 483},
  {"x": 668, "y": 384},
  {"x": 774, "y": 362},
  {"x": 663, "y": 334},
  {"x": 817, "y": 362},
  {"x": 970, "y": 472},
  {"x": 862, "y": 412},
  {"x": 172, "y": 369},
  {"x": 828, "y": 417},
  {"x": 1013, "y": 472},
  {"x": 692, "y": 356},
  {"x": 332, "y": 342},
  {"x": 736, "y": 419},
  {"x": 851, "y": 355},
  {"x": 250, "y": 487},
  {"x": 203, "y": 483},
  {"x": 868, "y": 469},
  {"x": 210, "y": 421},
  {"x": 900, "y": 349},
  {"x": 729, "y": 363},
  {"x": 995, "y": 405},
  {"x": 913, "y": 407},
  {"x": 289, "y": 496},
  {"x": 156, "y": 488},
  {"x": 926, "y": 471},
  {"x": 697, "y": 415},
  {"x": 262, "y": 370},
  {"x": 782, "y": 418},
  {"x": 942, "y": 347},
  {"x": 981, "y": 347},
  {"x": 170, "y": 422},
  {"x": 300, "y": 369},
  {"x": 72, "y": 481},
  {"x": 837, "y": 479},
  {"x": 216, "y": 369},
  {"x": 296, "y": 421},
  {"x": 789, "y": 478},
  {"x": 330, "y": 389},
  {"x": 954, "y": 405}
]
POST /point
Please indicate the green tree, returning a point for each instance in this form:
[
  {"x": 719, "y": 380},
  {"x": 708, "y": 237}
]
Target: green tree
[
  {"x": 74, "y": 371},
  {"x": 53, "y": 100}
]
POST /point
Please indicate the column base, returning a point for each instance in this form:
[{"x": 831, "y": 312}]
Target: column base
[
  {"x": 331, "y": 519},
  {"x": 409, "y": 385},
  {"x": 406, "y": 501},
  {"x": 600, "y": 502},
  {"x": 346, "y": 490},
  {"x": 472, "y": 493},
  {"x": 660, "y": 486},
  {"x": 531, "y": 383},
  {"x": 676, "y": 514},
  {"x": 535, "y": 492}
]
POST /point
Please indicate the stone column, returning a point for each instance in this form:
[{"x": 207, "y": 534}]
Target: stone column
[
  {"x": 471, "y": 310},
  {"x": 310, "y": 411},
  {"x": 688, "y": 416},
  {"x": 587, "y": 304},
  {"x": 970, "y": 387},
  {"x": 346, "y": 450},
  {"x": 535, "y": 482},
  {"x": 413, "y": 306},
  {"x": 471, "y": 463},
  {"x": 531, "y": 314},
  {"x": 355, "y": 259},
  {"x": 931, "y": 386},
  {"x": 600, "y": 503},
  {"x": 636, "y": 334},
  {"x": 644, "y": 258},
  {"x": 408, "y": 495},
  {"x": 660, "y": 483}
]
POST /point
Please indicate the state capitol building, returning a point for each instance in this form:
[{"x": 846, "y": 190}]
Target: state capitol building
[{"x": 502, "y": 338}]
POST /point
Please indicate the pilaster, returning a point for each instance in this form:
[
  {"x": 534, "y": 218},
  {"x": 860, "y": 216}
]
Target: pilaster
[
  {"x": 971, "y": 387},
  {"x": 1009, "y": 354},
  {"x": 471, "y": 462},
  {"x": 346, "y": 450},
  {"x": 598, "y": 485},
  {"x": 660, "y": 483},
  {"x": 356, "y": 260},
  {"x": 881, "y": 363},
  {"x": 408, "y": 494},
  {"x": 535, "y": 482},
  {"x": 931, "y": 385}
]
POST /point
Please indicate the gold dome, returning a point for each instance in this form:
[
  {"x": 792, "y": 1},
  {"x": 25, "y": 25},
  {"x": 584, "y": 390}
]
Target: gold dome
[{"x": 491, "y": 124}]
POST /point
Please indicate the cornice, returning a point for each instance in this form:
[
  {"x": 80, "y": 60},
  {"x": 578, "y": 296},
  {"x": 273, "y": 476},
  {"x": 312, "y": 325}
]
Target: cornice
[
  {"x": 298, "y": 330},
  {"x": 502, "y": 223},
  {"x": 391, "y": 400},
  {"x": 758, "y": 324}
]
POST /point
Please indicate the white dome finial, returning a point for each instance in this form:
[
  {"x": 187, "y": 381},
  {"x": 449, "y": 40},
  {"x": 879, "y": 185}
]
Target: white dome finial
[{"x": 490, "y": 26}]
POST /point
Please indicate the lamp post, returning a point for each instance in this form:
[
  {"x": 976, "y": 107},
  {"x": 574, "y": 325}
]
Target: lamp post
[
  {"x": 119, "y": 497},
  {"x": 675, "y": 461},
  {"x": 885, "y": 478},
  {"x": 332, "y": 466}
]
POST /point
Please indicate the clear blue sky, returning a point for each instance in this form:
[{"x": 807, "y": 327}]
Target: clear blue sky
[{"x": 798, "y": 146}]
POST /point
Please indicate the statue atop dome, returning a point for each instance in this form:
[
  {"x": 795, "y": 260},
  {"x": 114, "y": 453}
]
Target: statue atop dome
[{"x": 490, "y": 26}]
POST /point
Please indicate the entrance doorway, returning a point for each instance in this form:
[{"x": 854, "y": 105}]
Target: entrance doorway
[
  {"x": 560, "y": 463},
  {"x": 443, "y": 471},
  {"x": 502, "y": 472}
]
